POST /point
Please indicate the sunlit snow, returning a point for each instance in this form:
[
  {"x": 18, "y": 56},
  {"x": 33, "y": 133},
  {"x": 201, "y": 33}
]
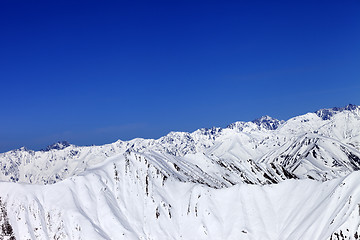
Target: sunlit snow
[{"x": 265, "y": 179}]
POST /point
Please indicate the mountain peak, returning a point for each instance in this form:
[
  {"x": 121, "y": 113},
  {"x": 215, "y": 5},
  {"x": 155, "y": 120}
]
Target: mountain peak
[
  {"x": 57, "y": 146},
  {"x": 327, "y": 113},
  {"x": 267, "y": 122},
  {"x": 23, "y": 148}
]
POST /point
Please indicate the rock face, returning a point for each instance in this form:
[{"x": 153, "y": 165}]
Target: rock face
[
  {"x": 327, "y": 113},
  {"x": 57, "y": 146},
  {"x": 268, "y": 122},
  {"x": 207, "y": 184}
]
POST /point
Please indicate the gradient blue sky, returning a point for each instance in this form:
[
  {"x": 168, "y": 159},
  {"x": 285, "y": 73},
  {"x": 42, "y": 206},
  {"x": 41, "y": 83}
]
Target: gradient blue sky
[{"x": 92, "y": 72}]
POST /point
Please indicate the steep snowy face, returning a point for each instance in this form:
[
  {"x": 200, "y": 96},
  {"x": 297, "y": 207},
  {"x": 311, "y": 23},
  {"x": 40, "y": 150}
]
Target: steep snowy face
[
  {"x": 128, "y": 197},
  {"x": 315, "y": 157}
]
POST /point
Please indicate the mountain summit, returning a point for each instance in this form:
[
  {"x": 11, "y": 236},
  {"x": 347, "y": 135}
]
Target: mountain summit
[
  {"x": 327, "y": 113},
  {"x": 268, "y": 122},
  {"x": 57, "y": 146}
]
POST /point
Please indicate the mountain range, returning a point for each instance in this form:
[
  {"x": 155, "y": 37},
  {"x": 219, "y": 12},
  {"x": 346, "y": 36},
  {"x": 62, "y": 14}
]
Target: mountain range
[{"x": 264, "y": 179}]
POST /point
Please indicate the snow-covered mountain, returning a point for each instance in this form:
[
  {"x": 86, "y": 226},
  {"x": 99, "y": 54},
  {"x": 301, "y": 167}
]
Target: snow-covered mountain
[{"x": 208, "y": 184}]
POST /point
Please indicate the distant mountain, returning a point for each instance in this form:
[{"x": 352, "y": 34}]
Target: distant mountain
[
  {"x": 327, "y": 113},
  {"x": 268, "y": 122},
  {"x": 199, "y": 185},
  {"x": 57, "y": 146}
]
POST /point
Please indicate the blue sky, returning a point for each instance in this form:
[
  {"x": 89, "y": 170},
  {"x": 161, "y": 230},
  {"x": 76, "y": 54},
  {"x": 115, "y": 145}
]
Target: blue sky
[{"x": 92, "y": 72}]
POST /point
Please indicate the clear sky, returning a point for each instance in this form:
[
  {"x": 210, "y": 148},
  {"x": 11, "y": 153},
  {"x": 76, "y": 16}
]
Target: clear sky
[{"x": 92, "y": 72}]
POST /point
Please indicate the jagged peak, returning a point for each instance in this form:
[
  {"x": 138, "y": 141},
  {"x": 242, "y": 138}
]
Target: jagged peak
[
  {"x": 209, "y": 131},
  {"x": 57, "y": 146},
  {"x": 237, "y": 125},
  {"x": 268, "y": 122},
  {"x": 265, "y": 122},
  {"x": 23, "y": 148},
  {"x": 327, "y": 113}
]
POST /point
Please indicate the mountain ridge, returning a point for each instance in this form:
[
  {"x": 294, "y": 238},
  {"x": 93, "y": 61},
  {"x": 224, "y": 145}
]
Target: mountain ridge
[
  {"x": 264, "y": 121},
  {"x": 239, "y": 142},
  {"x": 264, "y": 179}
]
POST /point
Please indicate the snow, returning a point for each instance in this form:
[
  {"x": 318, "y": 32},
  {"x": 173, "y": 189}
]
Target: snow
[
  {"x": 266, "y": 179},
  {"x": 103, "y": 208}
]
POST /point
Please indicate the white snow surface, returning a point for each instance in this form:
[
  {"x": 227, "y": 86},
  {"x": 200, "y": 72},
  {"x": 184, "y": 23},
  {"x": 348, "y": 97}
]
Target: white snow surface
[{"x": 266, "y": 179}]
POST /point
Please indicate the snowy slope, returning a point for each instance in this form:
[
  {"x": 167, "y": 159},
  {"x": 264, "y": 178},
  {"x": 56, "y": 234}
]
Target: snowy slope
[
  {"x": 123, "y": 199},
  {"x": 209, "y": 184}
]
